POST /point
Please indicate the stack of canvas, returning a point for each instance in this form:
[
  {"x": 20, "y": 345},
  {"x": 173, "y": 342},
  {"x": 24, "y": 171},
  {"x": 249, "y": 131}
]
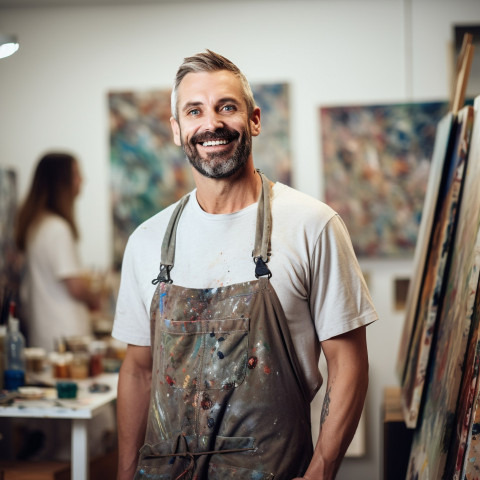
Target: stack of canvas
[{"x": 439, "y": 354}]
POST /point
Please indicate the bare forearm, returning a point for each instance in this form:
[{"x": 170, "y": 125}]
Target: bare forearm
[
  {"x": 347, "y": 361},
  {"x": 341, "y": 413},
  {"x": 132, "y": 412}
]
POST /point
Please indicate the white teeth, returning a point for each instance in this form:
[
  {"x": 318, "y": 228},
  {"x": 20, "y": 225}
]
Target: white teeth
[{"x": 214, "y": 142}]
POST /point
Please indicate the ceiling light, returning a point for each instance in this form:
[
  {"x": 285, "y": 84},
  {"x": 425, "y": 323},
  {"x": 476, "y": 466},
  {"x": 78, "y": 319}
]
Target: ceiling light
[{"x": 8, "y": 45}]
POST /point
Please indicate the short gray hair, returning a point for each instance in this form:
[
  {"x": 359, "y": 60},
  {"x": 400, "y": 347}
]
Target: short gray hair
[{"x": 209, "y": 61}]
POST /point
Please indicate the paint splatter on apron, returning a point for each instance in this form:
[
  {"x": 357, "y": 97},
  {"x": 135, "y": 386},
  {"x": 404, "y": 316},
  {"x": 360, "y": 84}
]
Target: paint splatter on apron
[{"x": 228, "y": 399}]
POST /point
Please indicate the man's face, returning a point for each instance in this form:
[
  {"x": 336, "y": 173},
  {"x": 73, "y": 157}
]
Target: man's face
[{"x": 213, "y": 125}]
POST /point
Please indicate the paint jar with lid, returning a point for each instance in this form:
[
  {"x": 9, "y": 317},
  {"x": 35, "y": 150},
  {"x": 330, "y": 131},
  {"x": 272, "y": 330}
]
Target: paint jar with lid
[
  {"x": 98, "y": 349},
  {"x": 67, "y": 389},
  {"x": 61, "y": 363},
  {"x": 80, "y": 366}
]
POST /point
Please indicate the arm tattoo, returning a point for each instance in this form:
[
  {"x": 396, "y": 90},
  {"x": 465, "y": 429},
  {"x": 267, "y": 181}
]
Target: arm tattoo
[{"x": 325, "y": 407}]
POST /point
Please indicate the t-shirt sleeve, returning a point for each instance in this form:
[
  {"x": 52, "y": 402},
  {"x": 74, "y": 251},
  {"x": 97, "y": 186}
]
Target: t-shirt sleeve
[
  {"x": 132, "y": 320},
  {"x": 339, "y": 299}
]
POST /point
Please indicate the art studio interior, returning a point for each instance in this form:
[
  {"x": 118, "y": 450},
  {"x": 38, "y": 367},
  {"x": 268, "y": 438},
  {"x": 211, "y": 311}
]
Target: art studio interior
[{"x": 371, "y": 106}]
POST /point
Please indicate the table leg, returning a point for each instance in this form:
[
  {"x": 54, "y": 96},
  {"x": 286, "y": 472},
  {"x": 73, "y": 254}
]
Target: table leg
[{"x": 79, "y": 449}]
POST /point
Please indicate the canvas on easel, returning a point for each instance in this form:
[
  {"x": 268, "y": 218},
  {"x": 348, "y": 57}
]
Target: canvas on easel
[
  {"x": 441, "y": 155},
  {"x": 436, "y": 268},
  {"x": 432, "y": 437}
]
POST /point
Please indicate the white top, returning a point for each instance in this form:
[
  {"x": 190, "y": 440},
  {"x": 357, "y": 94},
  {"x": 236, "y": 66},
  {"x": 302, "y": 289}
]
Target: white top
[
  {"x": 52, "y": 255},
  {"x": 314, "y": 270}
]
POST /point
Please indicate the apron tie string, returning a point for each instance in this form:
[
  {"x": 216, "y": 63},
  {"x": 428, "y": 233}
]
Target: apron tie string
[{"x": 192, "y": 455}]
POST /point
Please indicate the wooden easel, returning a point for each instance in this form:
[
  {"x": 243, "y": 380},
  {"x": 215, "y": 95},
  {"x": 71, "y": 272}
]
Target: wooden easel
[{"x": 462, "y": 73}]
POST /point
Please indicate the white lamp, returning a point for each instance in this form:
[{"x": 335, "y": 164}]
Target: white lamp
[{"x": 8, "y": 45}]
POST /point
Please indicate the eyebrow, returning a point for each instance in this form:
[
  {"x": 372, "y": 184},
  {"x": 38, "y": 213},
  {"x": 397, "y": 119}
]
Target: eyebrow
[
  {"x": 220, "y": 101},
  {"x": 190, "y": 105}
]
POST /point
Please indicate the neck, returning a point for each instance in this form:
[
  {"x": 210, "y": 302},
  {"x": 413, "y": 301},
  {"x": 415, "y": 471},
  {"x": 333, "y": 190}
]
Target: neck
[{"x": 228, "y": 195}]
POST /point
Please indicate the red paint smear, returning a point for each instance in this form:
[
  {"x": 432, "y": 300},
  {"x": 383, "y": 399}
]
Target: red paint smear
[{"x": 266, "y": 370}]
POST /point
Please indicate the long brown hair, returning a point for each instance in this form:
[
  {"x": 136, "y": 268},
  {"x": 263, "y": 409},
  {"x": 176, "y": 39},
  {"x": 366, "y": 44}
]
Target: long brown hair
[{"x": 52, "y": 190}]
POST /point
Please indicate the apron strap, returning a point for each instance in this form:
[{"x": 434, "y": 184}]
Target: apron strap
[
  {"x": 168, "y": 245},
  {"x": 263, "y": 231}
]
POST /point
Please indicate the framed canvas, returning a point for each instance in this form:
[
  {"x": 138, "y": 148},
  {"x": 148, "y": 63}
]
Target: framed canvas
[
  {"x": 435, "y": 270},
  {"x": 433, "y": 435},
  {"x": 376, "y": 162},
  {"x": 441, "y": 153},
  {"x": 149, "y": 172}
]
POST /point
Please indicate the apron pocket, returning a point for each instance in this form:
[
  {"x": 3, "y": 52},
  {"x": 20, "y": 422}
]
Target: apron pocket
[{"x": 206, "y": 354}]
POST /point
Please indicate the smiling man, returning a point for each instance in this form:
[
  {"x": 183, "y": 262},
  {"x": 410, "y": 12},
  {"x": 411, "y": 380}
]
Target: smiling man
[
  {"x": 216, "y": 137},
  {"x": 224, "y": 338}
]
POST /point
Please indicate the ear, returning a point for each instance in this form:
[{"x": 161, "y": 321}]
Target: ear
[
  {"x": 255, "y": 124},
  {"x": 176, "y": 131}
]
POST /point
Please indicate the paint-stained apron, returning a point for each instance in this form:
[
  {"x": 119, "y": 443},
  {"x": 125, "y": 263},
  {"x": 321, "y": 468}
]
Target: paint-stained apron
[{"x": 228, "y": 400}]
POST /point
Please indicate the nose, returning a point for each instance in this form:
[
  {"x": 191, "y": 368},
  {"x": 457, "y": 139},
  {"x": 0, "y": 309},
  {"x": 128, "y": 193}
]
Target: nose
[{"x": 213, "y": 121}]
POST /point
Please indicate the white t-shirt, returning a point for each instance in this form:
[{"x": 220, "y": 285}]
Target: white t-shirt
[
  {"x": 52, "y": 255},
  {"x": 314, "y": 269}
]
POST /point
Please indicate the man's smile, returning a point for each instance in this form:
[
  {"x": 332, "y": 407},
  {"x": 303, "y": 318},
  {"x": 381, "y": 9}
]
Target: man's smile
[{"x": 211, "y": 143}]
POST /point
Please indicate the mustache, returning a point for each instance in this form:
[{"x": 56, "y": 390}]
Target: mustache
[{"x": 219, "y": 134}]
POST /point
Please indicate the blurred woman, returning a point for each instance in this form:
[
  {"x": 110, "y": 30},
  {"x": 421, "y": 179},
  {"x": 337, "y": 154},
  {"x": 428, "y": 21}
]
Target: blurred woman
[{"x": 56, "y": 295}]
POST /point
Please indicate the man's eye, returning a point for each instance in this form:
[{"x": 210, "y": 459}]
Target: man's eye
[
  {"x": 229, "y": 108},
  {"x": 194, "y": 112}
]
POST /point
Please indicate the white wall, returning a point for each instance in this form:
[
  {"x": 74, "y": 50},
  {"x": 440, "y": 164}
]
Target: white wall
[{"x": 53, "y": 94}]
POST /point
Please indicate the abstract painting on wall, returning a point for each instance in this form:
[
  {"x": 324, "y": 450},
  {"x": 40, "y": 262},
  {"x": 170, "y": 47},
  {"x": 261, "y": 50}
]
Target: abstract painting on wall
[
  {"x": 433, "y": 435},
  {"x": 149, "y": 172},
  {"x": 376, "y": 162},
  {"x": 433, "y": 284}
]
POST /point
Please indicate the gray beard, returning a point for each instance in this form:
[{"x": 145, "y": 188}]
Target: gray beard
[{"x": 216, "y": 165}]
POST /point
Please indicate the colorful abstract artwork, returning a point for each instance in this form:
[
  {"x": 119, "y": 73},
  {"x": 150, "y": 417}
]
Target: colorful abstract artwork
[
  {"x": 376, "y": 162},
  {"x": 149, "y": 172},
  {"x": 435, "y": 270},
  {"x": 433, "y": 435}
]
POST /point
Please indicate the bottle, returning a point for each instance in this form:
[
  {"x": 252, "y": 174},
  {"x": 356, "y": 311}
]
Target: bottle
[{"x": 14, "y": 375}]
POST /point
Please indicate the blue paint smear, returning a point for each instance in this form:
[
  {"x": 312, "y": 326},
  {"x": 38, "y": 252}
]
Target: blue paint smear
[
  {"x": 198, "y": 344},
  {"x": 164, "y": 294}
]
